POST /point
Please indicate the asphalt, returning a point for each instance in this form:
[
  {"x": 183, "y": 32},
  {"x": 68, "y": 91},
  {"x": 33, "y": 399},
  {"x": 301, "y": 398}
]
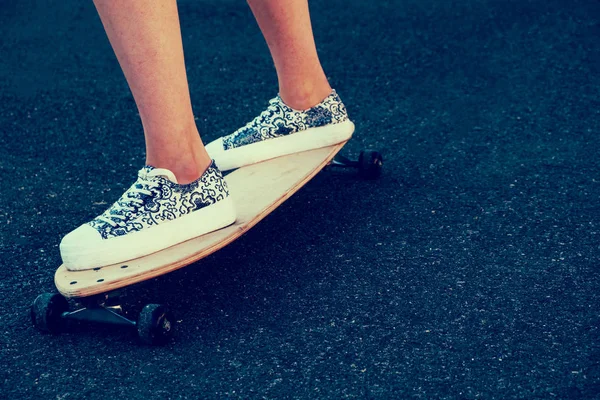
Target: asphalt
[{"x": 469, "y": 270}]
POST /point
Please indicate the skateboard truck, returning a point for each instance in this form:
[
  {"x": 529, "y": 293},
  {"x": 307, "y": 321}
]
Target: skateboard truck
[
  {"x": 369, "y": 164},
  {"x": 50, "y": 312}
]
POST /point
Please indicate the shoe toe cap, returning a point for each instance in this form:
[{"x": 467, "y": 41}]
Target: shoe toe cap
[
  {"x": 80, "y": 237},
  {"x": 79, "y": 242}
]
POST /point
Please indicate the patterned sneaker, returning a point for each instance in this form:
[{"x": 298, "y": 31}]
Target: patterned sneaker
[
  {"x": 281, "y": 130},
  {"x": 154, "y": 213}
]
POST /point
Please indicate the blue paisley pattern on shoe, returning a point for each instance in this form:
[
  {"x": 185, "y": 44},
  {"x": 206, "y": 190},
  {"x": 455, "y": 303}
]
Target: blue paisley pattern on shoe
[
  {"x": 280, "y": 120},
  {"x": 154, "y": 199}
]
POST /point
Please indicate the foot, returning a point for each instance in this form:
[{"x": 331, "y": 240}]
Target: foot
[
  {"x": 281, "y": 130},
  {"x": 156, "y": 212}
]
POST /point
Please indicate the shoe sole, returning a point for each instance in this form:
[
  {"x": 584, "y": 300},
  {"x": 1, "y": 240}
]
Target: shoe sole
[
  {"x": 151, "y": 239},
  {"x": 309, "y": 139}
]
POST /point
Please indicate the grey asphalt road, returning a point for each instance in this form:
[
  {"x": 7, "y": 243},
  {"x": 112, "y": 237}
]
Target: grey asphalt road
[{"x": 470, "y": 270}]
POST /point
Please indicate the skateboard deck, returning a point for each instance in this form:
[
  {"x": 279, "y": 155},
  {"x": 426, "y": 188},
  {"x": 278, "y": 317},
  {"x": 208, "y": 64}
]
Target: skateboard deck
[{"x": 257, "y": 190}]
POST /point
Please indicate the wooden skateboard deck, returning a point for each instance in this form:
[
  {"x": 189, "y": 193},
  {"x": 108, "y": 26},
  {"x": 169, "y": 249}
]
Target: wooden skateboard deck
[{"x": 256, "y": 189}]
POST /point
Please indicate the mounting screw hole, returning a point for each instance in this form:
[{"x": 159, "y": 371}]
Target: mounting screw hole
[
  {"x": 124, "y": 266},
  {"x": 97, "y": 269},
  {"x": 72, "y": 283},
  {"x": 100, "y": 280}
]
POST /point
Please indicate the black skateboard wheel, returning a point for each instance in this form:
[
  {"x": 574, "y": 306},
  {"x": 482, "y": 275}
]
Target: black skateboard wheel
[
  {"x": 46, "y": 312},
  {"x": 370, "y": 164},
  {"x": 155, "y": 325}
]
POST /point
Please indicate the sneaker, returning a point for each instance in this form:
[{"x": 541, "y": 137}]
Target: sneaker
[
  {"x": 281, "y": 130},
  {"x": 154, "y": 213}
]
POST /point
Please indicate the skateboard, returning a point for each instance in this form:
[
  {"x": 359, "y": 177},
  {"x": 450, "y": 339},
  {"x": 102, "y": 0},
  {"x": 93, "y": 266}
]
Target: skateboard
[{"x": 257, "y": 190}]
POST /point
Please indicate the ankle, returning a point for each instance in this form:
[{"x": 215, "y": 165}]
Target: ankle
[
  {"x": 186, "y": 167},
  {"x": 303, "y": 98},
  {"x": 190, "y": 172},
  {"x": 178, "y": 149}
]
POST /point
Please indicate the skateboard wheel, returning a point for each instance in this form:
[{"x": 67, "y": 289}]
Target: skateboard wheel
[
  {"x": 370, "y": 164},
  {"x": 154, "y": 325},
  {"x": 46, "y": 312}
]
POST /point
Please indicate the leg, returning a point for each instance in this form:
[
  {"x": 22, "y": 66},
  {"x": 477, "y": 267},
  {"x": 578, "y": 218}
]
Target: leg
[
  {"x": 146, "y": 38},
  {"x": 159, "y": 210},
  {"x": 307, "y": 114},
  {"x": 287, "y": 29}
]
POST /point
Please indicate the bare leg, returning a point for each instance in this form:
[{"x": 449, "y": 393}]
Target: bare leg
[
  {"x": 146, "y": 38},
  {"x": 287, "y": 29}
]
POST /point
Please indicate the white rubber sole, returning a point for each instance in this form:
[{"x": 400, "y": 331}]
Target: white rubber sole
[
  {"x": 83, "y": 249},
  {"x": 312, "y": 138}
]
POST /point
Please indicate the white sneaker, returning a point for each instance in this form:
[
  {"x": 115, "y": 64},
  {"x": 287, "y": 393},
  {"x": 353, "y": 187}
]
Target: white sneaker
[
  {"x": 281, "y": 130},
  {"x": 154, "y": 213}
]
